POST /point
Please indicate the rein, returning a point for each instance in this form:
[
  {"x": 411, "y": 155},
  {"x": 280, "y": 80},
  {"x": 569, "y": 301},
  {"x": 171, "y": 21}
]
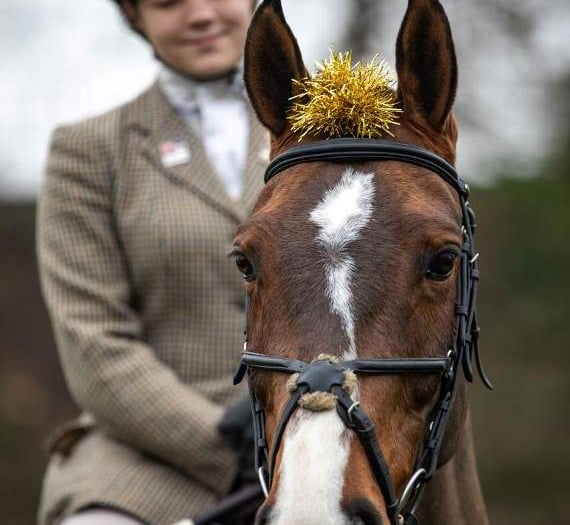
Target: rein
[{"x": 328, "y": 376}]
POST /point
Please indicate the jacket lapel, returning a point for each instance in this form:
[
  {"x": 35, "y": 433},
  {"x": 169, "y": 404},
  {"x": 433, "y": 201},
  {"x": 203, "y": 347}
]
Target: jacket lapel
[{"x": 189, "y": 165}]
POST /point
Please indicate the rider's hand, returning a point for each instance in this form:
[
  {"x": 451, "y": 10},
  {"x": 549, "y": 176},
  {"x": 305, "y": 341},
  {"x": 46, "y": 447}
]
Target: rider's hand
[{"x": 236, "y": 427}]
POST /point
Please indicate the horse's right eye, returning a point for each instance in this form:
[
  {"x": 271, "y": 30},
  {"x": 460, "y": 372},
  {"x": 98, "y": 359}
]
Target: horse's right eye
[{"x": 244, "y": 266}]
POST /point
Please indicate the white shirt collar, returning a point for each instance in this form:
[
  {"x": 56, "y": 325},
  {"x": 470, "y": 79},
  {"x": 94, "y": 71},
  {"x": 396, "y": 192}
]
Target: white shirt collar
[{"x": 183, "y": 91}]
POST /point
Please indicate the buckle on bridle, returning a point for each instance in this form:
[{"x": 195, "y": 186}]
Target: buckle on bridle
[
  {"x": 410, "y": 490},
  {"x": 451, "y": 361},
  {"x": 261, "y": 473},
  {"x": 351, "y": 408}
]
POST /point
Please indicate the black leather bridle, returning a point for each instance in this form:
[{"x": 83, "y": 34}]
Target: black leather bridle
[{"x": 324, "y": 375}]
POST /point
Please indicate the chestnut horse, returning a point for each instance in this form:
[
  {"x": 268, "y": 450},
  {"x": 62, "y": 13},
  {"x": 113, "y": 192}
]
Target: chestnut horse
[{"x": 359, "y": 269}]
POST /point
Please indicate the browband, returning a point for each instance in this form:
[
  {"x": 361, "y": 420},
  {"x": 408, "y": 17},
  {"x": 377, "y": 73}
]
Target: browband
[{"x": 351, "y": 149}]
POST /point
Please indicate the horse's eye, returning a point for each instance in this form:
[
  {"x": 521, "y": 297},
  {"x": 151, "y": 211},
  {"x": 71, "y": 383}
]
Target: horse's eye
[
  {"x": 244, "y": 266},
  {"x": 441, "y": 264}
]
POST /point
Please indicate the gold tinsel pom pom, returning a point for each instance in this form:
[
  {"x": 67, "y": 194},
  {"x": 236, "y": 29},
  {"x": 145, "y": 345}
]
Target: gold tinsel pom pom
[{"x": 345, "y": 100}]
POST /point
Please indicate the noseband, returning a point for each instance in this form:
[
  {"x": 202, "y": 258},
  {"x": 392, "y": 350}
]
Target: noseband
[{"x": 328, "y": 376}]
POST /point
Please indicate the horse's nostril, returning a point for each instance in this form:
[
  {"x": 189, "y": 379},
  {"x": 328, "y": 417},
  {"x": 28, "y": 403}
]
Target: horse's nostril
[
  {"x": 362, "y": 512},
  {"x": 372, "y": 520}
]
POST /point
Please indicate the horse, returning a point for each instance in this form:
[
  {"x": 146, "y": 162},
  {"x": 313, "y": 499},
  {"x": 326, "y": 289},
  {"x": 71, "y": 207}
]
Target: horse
[{"x": 360, "y": 275}]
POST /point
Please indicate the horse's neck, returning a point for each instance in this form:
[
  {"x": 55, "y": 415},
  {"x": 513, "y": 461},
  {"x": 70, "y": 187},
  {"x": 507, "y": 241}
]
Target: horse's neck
[{"x": 453, "y": 496}]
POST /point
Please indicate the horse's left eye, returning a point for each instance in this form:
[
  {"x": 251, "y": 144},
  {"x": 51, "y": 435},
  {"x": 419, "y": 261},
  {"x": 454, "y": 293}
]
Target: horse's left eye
[
  {"x": 244, "y": 266},
  {"x": 441, "y": 264}
]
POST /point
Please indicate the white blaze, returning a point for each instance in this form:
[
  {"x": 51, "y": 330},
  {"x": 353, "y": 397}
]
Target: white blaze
[
  {"x": 341, "y": 215},
  {"x": 316, "y": 444},
  {"x": 315, "y": 453}
]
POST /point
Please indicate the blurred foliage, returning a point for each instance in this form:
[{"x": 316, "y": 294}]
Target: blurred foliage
[{"x": 522, "y": 427}]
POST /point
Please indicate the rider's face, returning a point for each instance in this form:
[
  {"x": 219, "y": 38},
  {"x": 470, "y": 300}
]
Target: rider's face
[{"x": 201, "y": 38}]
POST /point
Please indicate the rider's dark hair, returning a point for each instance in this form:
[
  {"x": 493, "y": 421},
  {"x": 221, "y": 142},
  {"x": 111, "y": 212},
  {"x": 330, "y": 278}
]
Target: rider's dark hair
[{"x": 134, "y": 3}]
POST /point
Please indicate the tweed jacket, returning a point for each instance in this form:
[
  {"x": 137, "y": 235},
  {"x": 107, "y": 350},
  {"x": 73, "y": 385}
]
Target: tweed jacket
[{"x": 146, "y": 309}]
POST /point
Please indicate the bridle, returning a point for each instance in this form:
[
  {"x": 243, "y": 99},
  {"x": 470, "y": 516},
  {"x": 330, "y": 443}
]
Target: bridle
[{"x": 330, "y": 376}]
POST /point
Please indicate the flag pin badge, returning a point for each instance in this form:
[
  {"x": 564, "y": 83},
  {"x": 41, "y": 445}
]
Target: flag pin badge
[{"x": 174, "y": 153}]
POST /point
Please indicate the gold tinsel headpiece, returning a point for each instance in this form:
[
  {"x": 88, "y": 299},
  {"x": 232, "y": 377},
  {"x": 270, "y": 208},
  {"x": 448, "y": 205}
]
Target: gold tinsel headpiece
[{"x": 345, "y": 100}]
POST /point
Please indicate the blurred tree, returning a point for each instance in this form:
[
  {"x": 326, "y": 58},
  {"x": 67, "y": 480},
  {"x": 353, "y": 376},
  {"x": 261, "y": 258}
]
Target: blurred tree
[
  {"x": 559, "y": 164},
  {"x": 509, "y": 52},
  {"x": 363, "y": 28}
]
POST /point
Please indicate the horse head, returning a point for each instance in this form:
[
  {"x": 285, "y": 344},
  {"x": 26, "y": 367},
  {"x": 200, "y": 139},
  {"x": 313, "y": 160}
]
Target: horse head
[{"x": 352, "y": 269}]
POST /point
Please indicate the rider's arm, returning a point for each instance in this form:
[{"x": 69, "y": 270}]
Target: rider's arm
[{"x": 110, "y": 371}]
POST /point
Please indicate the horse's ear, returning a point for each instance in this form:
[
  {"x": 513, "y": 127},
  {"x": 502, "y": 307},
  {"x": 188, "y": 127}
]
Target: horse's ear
[
  {"x": 426, "y": 64},
  {"x": 272, "y": 61}
]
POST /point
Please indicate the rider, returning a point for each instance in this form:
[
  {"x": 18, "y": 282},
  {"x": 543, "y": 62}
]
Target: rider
[{"x": 135, "y": 223}]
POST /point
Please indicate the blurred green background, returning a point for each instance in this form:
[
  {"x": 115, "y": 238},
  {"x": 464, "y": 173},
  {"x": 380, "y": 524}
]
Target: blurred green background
[{"x": 522, "y": 428}]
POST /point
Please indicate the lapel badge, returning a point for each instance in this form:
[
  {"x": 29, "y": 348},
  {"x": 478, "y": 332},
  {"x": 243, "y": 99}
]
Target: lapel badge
[{"x": 174, "y": 153}]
